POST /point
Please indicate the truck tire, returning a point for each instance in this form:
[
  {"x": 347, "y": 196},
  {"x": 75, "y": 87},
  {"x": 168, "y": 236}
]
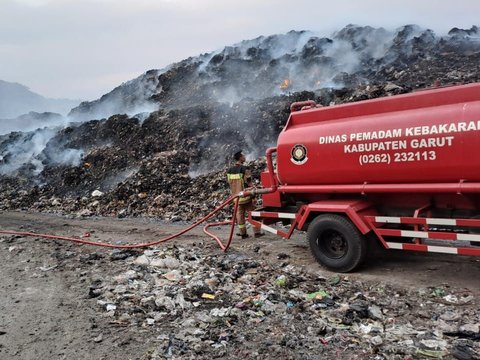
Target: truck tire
[{"x": 336, "y": 243}]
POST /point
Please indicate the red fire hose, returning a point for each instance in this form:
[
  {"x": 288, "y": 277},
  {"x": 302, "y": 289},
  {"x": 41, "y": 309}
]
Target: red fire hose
[
  {"x": 134, "y": 246},
  {"x": 232, "y": 222}
]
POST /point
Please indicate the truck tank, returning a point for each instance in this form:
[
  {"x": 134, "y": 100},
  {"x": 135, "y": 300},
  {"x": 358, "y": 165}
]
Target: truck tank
[{"x": 430, "y": 136}]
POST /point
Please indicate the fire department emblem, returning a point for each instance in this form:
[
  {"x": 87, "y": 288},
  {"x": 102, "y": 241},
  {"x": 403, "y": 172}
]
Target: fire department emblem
[{"x": 299, "y": 154}]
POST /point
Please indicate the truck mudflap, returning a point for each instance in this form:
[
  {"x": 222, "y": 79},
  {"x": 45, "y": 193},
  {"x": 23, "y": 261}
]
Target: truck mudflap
[{"x": 440, "y": 235}]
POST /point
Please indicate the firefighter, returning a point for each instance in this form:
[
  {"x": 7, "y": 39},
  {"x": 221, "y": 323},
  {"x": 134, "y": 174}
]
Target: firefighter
[{"x": 240, "y": 177}]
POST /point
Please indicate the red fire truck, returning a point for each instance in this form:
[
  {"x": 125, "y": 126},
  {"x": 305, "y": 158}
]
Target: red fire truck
[{"x": 401, "y": 170}]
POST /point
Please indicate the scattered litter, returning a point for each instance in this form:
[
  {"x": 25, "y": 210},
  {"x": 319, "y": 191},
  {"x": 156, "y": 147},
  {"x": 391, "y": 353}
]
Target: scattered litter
[
  {"x": 318, "y": 295},
  {"x": 208, "y": 296}
]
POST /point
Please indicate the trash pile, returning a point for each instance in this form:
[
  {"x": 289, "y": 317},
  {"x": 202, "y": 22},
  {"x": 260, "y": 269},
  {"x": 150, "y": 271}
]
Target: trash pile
[
  {"x": 199, "y": 305},
  {"x": 171, "y": 162}
]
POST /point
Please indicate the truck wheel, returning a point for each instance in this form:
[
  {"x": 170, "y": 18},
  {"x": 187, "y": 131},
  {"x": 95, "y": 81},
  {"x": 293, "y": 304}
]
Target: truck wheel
[{"x": 336, "y": 243}]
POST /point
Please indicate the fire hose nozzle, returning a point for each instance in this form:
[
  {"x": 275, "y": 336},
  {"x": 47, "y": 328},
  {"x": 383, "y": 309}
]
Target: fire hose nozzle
[{"x": 255, "y": 191}]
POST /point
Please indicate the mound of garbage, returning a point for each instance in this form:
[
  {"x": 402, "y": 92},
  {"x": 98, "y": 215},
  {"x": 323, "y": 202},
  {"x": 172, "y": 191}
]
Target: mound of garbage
[{"x": 170, "y": 162}]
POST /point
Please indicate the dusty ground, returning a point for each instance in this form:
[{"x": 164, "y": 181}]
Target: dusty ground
[{"x": 46, "y": 311}]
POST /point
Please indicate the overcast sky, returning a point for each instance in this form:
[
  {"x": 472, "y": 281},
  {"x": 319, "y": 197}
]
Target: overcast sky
[{"x": 82, "y": 49}]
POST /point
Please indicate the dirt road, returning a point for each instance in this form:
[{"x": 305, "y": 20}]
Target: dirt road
[{"x": 46, "y": 307}]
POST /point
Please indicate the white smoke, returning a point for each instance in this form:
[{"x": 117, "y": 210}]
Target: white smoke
[
  {"x": 304, "y": 59},
  {"x": 229, "y": 95},
  {"x": 24, "y": 150},
  {"x": 113, "y": 180},
  {"x": 27, "y": 149},
  {"x": 204, "y": 167},
  {"x": 69, "y": 157},
  {"x": 30, "y": 149}
]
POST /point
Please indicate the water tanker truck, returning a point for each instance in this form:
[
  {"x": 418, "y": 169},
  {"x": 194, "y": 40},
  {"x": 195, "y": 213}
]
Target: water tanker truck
[{"x": 402, "y": 170}]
